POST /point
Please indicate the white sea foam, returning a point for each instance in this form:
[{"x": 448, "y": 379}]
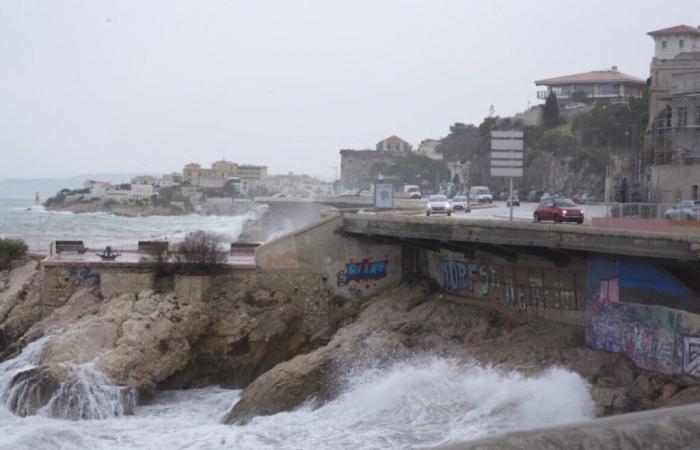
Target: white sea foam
[
  {"x": 85, "y": 394},
  {"x": 422, "y": 402}
]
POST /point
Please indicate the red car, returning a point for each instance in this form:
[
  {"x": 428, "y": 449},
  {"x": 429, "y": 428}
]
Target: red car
[{"x": 559, "y": 210}]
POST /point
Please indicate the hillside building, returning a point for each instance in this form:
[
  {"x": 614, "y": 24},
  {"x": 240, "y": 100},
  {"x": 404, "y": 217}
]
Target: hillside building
[{"x": 611, "y": 85}]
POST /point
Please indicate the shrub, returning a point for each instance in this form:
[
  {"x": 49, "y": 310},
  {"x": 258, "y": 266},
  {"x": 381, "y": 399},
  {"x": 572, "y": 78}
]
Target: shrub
[
  {"x": 200, "y": 253},
  {"x": 11, "y": 249}
]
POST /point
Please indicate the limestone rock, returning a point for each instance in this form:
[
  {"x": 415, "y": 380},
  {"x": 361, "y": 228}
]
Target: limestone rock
[{"x": 20, "y": 305}]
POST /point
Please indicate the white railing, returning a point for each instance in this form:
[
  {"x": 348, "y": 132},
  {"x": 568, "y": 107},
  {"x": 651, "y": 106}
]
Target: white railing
[{"x": 659, "y": 211}]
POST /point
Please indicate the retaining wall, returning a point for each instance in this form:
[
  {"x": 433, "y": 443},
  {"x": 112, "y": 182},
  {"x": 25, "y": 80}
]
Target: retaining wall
[
  {"x": 532, "y": 286},
  {"x": 352, "y": 267}
]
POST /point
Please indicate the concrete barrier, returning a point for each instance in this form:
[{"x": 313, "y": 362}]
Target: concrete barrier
[{"x": 667, "y": 428}]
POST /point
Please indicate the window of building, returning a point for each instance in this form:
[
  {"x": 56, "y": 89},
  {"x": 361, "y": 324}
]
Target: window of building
[
  {"x": 682, "y": 116},
  {"x": 681, "y": 43},
  {"x": 663, "y": 44},
  {"x": 697, "y": 115},
  {"x": 609, "y": 89}
]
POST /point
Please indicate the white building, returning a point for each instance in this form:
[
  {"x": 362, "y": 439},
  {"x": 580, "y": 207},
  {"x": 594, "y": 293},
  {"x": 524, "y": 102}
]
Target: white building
[
  {"x": 141, "y": 192},
  {"x": 428, "y": 147},
  {"x": 98, "y": 189}
]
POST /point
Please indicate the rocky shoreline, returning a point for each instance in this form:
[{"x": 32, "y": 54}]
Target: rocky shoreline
[{"x": 285, "y": 339}]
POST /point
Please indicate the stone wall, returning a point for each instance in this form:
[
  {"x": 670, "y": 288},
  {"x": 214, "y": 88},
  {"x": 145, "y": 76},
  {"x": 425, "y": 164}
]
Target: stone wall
[
  {"x": 60, "y": 281},
  {"x": 124, "y": 281}
]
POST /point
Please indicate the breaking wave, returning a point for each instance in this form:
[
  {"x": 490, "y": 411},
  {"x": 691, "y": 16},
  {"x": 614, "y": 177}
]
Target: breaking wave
[
  {"x": 84, "y": 394},
  {"x": 414, "y": 403}
]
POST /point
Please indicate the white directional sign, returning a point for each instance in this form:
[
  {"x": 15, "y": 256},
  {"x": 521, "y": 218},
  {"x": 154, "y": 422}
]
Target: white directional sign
[{"x": 507, "y": 153}]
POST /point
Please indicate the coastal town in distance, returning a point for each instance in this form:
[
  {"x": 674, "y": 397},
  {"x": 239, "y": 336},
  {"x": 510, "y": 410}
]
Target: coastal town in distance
[{"x": 526, "y": 280}]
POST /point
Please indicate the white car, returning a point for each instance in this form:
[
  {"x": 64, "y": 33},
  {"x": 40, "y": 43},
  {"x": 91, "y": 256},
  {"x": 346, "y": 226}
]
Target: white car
[
  {"x": 438, "y": 204},
  {"x": 480, "y": 194},
  {"x": 685, "y": 210},
  {"x": 461, "y": 202}
]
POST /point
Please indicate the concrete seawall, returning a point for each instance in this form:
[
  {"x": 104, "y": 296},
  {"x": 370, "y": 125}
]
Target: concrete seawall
[{"x": 666, "y": 428}]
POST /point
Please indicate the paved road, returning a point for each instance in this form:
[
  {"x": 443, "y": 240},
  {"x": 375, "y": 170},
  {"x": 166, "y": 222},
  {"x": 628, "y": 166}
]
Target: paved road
[{"x": 524, "y": 212}]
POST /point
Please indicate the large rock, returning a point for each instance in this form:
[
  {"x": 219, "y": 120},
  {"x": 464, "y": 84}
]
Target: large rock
[
  {"x": 20, "y": 304},
  {"x": 414, "y": 319}
]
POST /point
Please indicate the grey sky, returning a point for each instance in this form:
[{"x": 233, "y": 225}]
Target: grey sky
[{"x": 147, "y": 86}]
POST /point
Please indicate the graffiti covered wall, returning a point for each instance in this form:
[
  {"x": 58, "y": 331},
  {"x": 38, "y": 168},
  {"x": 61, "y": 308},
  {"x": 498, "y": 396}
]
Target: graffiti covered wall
[
  {"x": 640, "y": 310},
  {"x": 531, "y": 286}
]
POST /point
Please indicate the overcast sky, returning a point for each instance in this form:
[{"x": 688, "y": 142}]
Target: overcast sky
[{"x": 147, "y": 86}]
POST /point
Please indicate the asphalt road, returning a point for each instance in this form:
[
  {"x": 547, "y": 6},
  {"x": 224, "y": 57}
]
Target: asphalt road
[{"x": 524, "y": 212}]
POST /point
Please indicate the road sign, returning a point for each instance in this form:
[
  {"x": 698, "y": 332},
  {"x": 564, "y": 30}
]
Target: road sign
[
  {"x": 506, "y": 172},
  {"x": 383, "y": 195},
  {"x": 507, "y": 157},
  {"x": 507, "y": 153}
]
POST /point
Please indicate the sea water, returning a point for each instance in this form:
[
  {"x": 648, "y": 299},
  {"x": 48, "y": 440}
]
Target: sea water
[
  {"x": 419, "y": 402},
  {"x": 37, "y": 227}
]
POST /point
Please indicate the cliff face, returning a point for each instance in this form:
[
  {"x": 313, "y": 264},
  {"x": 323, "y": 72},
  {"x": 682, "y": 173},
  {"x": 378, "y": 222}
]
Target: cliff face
[
  {"x": 564, "y": 174},
  {"x": 210, "y": 330}
]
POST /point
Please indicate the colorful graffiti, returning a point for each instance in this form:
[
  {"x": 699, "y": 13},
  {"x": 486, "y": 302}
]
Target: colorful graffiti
[
  {"x": 691, "y": 362},
  {"x": 501, "y": 283},
  {"x": 367, "y": 271},
  {"x": 83, "y": 276},
  {"x": 620, "y": 319}
]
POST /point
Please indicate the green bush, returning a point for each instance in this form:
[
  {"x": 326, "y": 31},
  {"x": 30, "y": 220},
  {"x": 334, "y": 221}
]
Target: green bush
[{"x": 11, "y": 249}]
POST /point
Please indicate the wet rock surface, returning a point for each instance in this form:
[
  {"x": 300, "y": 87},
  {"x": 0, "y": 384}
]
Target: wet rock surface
[{"x": 415, "y": 319}]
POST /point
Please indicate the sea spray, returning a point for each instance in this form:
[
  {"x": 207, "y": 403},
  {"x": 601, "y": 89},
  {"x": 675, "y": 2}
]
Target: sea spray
[
  {"x": 405, "y": 404},
  {"x": 83, "y": 392}
]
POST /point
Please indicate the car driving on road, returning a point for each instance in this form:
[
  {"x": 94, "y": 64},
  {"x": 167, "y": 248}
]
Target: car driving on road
[
  {"x": 559, "y": 210},
  {"x": 461, "y": 203},
  {"x": 438, "y": 204},
  {"x": 480, "y": 194}
]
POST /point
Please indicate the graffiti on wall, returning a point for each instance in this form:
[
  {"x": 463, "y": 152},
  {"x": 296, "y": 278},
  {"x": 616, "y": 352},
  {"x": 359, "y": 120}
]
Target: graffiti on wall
[
  {"x": 526, "y": 291},
  {"x": 83, "y": 276},
  {"x": 620, "y": 318},
  {"x": 362, "y": 273},
  {"x": 691, "y": 361}
]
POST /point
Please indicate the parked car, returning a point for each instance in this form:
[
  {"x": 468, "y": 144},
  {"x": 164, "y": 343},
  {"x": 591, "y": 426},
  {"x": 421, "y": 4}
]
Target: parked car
[
  {"x": 438, "y": 204},
  {"x": 480, "y": 194},
  {"x": 558, "y": 210},
  {"x": 503, "y": 196},
  {"x": 365, "y": 194},
  {"x": 516, "y": 200},
  {"x": 461, "y": 203},
  {"x": 350, "y": 193},
  {"x": 413, "y": 191},
  {"x": 685, "y": 210},
  {"x": 534, "y": 196}
]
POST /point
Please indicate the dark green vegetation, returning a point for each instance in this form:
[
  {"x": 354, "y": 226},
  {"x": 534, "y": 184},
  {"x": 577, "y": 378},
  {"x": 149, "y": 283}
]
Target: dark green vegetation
[{"x": 10, "y": 250}]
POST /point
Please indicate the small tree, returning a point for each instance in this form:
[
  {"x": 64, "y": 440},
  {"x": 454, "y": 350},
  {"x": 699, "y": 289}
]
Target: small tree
[
  {"x": 550, "y": 114},
  {"x": 200, "y": 253}
]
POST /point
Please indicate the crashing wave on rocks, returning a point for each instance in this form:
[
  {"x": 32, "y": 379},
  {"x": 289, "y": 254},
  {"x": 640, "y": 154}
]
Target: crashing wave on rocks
[
  {"x": 84, "y": 393},
  {"x": 416, "y": 402}
]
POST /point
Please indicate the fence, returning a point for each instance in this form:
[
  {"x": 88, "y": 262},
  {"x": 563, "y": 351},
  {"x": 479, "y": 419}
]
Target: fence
[{"x": 659, "y": 211}]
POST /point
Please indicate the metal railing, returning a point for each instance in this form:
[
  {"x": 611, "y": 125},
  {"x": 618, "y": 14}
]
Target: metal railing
[{"x": 658, "y": 211}]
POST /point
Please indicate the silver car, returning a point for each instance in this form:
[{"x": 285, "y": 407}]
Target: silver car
[
  {"x": 438, "y": 204},
  {"x": 461, "y": 202}
]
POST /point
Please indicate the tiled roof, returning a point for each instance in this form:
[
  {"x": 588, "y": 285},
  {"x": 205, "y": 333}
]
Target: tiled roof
[
  {"x": 680, "y": 29},
  {"x": 394, "y": 139},
  {"x": 596, "y": 76}
]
